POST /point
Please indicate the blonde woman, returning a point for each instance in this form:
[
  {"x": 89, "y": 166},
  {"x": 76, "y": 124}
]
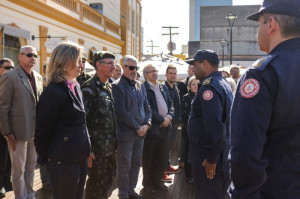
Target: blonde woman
[
  {"x": 61, "y": 136},
  {"x": 185, "y": 113}
]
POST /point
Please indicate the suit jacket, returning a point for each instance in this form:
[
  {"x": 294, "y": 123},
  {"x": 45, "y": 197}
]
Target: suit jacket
[
  {"x": 61, "y": 133},
  {"x": 157, "y": 119},
  {"x": 131, "y": 107},
  {"x": 18, "y": 103},
  {"x": 182, "y": 87}
]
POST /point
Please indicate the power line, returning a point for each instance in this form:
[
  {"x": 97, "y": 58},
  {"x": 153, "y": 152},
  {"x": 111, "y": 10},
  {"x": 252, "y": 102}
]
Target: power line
[
  {"x": 152, "y": 46},
  {"x": 170, "y": 34}
]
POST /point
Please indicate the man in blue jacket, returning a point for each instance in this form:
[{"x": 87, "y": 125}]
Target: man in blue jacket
[
  {"x": 265, "y": 152},
  {"x": 133, "y": 115},
  {"x": 208, "y": 128}
]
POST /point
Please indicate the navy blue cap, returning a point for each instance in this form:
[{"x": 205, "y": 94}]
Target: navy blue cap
[
  {"x": 208, "y": 55},
  {"x": 282, "y": 7}
]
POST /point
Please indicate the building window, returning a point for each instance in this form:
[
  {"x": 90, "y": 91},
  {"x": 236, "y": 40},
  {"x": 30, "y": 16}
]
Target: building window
[
  {"x": 98, "y": 7},
  {"x": 137, "y": 25},
  {"x": 11, "y": 48},
  {"x": 133, "y": 22}
]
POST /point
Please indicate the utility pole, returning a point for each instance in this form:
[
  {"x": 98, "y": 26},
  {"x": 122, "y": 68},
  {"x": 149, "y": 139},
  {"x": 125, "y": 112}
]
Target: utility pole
[
  {"x": 170, "y": 45},
  {"x": 152, "y": 46}
]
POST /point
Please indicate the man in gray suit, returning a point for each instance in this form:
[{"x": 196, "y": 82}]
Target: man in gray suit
[
  {"x": 133, "y": 115},
  {"x": 19, "y": 93}
]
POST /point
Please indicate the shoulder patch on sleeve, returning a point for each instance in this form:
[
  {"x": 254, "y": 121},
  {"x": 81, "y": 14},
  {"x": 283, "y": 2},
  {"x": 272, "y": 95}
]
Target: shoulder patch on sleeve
[
  {"x": 208, "y": 95},
  {"x": 249, "y": 88},
  {"x": 261, "y": 64},
  {"x": 207, "y": 81}
]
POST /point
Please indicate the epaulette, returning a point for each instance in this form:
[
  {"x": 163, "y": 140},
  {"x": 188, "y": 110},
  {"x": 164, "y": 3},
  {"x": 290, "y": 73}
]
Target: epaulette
[
  {"x": 207, "y": 81},
  {"x": 261, "y": 64}
]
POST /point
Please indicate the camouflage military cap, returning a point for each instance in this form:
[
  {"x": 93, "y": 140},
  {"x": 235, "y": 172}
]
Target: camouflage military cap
[{"x": 102, "y": 55}]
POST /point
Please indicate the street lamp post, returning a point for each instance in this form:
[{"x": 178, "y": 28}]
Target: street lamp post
[
  {"x": 231, "y": 18},
  {"x": 223, "y": 43}
]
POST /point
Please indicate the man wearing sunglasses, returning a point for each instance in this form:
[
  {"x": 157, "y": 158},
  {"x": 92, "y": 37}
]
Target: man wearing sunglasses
[
  {"x": 5, "y": 65},
  {"x": 19, "y": 94},
  {"x": 5, "y": 165},
  {"x": 133, "y": 115}
]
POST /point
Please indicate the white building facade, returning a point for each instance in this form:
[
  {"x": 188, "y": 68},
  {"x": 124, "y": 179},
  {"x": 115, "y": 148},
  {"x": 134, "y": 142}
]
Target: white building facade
[{"x": 45, "y": 23}]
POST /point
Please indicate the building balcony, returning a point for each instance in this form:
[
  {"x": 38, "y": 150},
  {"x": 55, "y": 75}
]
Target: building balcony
[{"x": 79, "y": 10}]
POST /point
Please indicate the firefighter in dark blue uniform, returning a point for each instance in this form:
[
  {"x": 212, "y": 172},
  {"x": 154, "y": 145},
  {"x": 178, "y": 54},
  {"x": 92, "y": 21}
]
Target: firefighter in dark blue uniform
[
  {"x": 265, "y": 122},
  {"x": 208, "y": 128}
]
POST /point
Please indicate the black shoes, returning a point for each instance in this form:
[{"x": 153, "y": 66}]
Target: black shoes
[
  {"x": 162, "y": 187},
  {"x": 190, "y": 180},
  {"x": 149, "y": 190},
  {"x": 2, "y": 192},
  {"x": 135, "y": 196}
]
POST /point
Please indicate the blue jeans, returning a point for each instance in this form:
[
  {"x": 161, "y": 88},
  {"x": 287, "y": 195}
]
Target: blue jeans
[
  {"x": 129, "y": 158},
  {"x": 171, "y": 139}
]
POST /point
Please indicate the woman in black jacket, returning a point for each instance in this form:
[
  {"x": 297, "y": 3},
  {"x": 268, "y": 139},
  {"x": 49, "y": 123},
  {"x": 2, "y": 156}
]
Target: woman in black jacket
[
  {"x": 61, "y": 136},
  {"x": 185, "y": 113}
]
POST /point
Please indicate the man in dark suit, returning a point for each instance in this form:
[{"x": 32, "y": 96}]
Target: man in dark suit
[
  {"x": 5, "y": 166},
  {"x": 83, "y": 77},
  {"x": 155, "y": 152},
  {"x": 19, "y": 93},
  {"x": 117, "y": 73},
  {"x": 182, "y": 85},
  {"x": 133, "y": 115},
  {"x": 170, "y": 85}
]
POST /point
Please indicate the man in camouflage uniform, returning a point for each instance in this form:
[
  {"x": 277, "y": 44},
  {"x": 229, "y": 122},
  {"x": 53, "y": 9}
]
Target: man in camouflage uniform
[
  {"x": 83, "y": 77},
  {"x": 101, "y": 124}
]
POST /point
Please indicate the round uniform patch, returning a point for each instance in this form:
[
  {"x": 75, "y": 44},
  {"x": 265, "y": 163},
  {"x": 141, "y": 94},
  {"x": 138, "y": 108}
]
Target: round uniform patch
[
  {"x": 208, "y": 95},
  {"x": 249, "y": 88}
]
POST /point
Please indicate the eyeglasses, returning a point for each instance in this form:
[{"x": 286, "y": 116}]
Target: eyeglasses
[
  {"x": 132, "y": 67},
  {"x": 29, "y": 55},
  {"x": 8, "y": 67},
  {"x": 109, "y": 63},
  {"x": 152, "y": 71}
]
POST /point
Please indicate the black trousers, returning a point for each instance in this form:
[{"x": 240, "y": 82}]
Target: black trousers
[
  {"x": 187, "y": 164},
  {"x": 155, "y": 158},
  {"x": 67, "y": 179},
  {"x": 5, "y": 164},
  {"x": 215, "y": 188}
]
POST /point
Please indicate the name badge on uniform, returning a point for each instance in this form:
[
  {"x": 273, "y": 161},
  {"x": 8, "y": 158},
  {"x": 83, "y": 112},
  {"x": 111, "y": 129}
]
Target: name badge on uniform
[
  {"x": 208, "y": 95},
  {"x": 249, "y": 88}
]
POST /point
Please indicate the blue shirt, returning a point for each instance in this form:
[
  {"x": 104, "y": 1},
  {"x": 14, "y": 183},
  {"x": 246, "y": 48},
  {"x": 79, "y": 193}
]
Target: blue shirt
[{"x": 208, "y": 127}]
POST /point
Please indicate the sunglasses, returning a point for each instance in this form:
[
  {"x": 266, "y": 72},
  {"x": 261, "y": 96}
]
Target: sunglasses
[
  {"x": 30, "y": 55},
  {"x": 8, "y": 67},
  {"x": 132, "y": 67}
]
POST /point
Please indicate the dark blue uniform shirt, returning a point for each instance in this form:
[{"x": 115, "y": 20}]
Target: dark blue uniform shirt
[
  {"x": 265, "y": 154},
  {"x": 208, "y": 131}
]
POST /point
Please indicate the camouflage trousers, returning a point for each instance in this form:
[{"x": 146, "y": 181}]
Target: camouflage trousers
[{"x": 100, "y": 177}]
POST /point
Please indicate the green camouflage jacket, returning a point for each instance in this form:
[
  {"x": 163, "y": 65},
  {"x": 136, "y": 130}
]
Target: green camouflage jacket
[{"x": 100, "y": 116}]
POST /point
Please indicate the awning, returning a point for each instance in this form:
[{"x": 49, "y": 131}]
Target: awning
[{"x": 14, "y": 31}]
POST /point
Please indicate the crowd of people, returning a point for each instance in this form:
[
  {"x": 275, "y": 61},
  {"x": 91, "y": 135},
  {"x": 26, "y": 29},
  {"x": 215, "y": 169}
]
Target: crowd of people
[{"x": 238, "y": 131}]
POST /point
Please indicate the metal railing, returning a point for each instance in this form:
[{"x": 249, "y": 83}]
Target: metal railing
[{"x": 85, "y": 11}]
